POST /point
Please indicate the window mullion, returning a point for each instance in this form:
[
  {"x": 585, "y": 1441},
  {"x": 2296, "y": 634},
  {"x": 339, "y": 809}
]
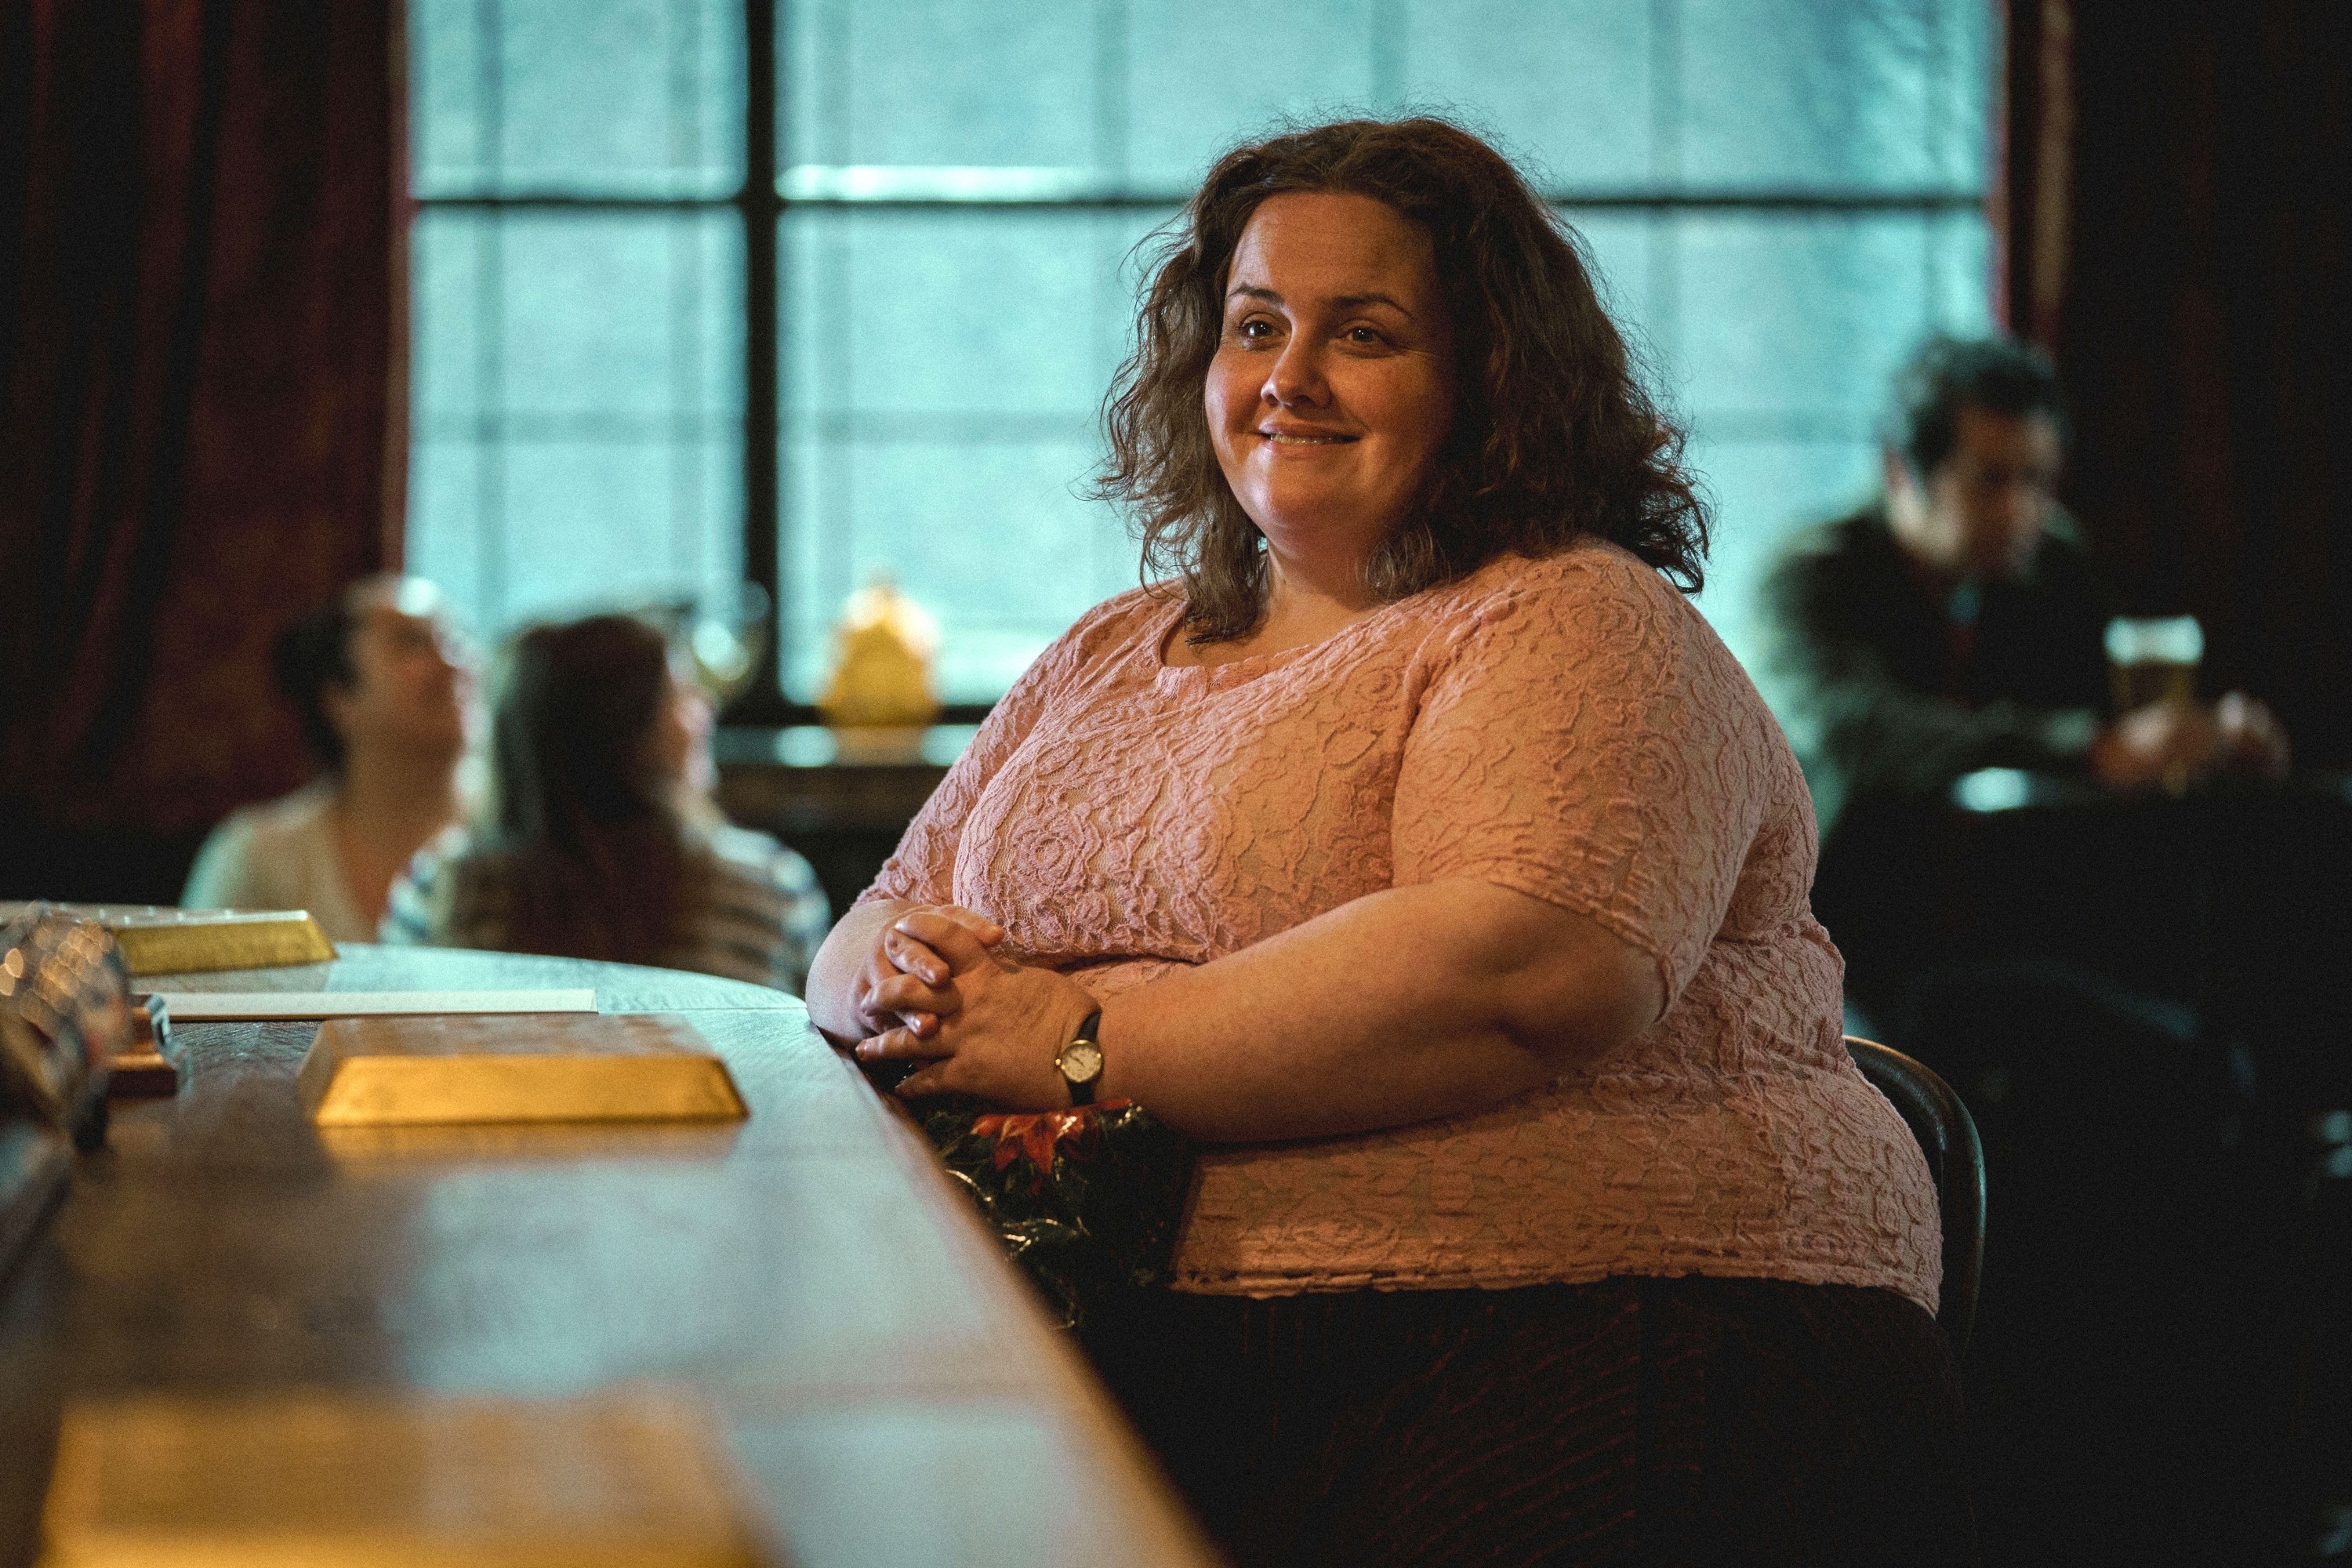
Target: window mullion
[{"x": 762, "y": 698}]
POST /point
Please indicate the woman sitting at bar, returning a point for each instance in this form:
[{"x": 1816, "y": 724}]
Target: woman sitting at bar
[
  {"x": 603, "y": 841},
  {"x": 1419, "y": 849},
  {"x": 385, "y": 695}
]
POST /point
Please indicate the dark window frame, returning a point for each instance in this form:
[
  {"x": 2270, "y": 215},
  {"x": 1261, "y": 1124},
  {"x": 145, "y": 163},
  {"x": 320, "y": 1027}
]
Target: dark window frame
[{"x": 760, "y": 204}]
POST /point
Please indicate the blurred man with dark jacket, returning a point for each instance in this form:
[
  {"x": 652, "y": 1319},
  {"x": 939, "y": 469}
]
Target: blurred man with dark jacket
[{"x": 1958, "y": 622}]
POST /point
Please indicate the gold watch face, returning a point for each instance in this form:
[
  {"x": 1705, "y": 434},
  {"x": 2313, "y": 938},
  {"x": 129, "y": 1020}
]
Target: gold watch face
[{"x": 1081, "y": 1061}]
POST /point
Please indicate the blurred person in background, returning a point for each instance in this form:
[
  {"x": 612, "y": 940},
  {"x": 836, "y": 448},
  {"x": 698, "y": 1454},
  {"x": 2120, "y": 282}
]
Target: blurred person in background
[
  {"x": 601, "y": 839},
  {"x": 1957, "y": 622},
  {"x": 385, "y": 693}
]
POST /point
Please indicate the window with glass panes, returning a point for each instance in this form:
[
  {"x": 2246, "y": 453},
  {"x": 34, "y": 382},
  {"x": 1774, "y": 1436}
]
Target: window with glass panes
[{"x": 808, "y": 291}]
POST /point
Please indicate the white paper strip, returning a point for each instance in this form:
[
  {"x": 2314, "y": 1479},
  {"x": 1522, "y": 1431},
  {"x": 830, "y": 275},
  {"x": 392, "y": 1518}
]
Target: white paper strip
[{"x": 224, "y": 1007}]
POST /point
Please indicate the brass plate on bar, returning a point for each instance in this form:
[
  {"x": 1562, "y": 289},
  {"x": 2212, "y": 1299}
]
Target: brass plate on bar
[
  {"x": 258, "y": 940},
  {"x": 398, "y": 1071},
  {"x": 158, "y": 940},
  {"x": 631, "y": 1479}
]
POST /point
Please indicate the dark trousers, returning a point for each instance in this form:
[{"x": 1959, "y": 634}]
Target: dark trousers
[{"x": 1633, "y": 1421}]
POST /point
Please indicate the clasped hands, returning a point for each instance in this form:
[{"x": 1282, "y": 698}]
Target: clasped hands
[{"x": 934, "y": 991}]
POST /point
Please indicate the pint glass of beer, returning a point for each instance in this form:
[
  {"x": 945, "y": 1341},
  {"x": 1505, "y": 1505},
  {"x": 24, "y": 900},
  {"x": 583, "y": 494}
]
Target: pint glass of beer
[{"x": 2154, "y": 661}]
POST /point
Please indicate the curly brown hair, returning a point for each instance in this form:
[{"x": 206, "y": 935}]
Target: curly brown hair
[{"x": 1555, "y": 437}]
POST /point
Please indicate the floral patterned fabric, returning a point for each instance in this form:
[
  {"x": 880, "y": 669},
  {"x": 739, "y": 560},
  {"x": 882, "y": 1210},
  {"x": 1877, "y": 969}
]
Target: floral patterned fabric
[{"x": 1568, "y": 727}]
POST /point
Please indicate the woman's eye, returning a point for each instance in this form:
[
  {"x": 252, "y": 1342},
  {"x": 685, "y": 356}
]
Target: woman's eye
[
  {"x": 1364, "y": 335},
  {"x": 1254, "y": 329}
]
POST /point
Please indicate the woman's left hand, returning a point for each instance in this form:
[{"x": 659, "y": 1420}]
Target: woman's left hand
[{"x": 1001, "y": 1044}]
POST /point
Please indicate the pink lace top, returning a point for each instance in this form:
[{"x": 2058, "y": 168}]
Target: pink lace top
[{"x": 1568, "y": 727}]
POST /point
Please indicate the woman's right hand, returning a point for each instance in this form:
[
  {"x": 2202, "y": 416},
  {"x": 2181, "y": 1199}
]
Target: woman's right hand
[{"x": 905, "y": 983}]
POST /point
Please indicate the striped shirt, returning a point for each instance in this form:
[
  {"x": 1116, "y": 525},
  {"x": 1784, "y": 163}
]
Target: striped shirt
[{"x": 758, "y": 913}]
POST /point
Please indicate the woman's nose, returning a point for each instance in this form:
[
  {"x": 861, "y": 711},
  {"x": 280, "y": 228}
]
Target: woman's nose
[{"x": 1296, "y": 377}]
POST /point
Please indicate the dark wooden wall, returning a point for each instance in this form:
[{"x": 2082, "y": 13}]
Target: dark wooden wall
[
  {"x": 202, "y": 341},
  {"x": 2180, "y": 215}
]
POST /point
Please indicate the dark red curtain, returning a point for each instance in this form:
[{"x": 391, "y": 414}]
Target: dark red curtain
[
  {"x": 202, "y": 340},
  {"x": 2177, "y": 182}
]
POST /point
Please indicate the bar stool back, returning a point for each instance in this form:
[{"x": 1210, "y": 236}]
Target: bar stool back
[{"x": 1947, "y": 1136}]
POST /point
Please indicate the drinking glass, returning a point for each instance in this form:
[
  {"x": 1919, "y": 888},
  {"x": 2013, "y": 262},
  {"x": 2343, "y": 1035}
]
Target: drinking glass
[
  {"x": 2154, "y": 659},
  {"x": 729, "y": 633}
]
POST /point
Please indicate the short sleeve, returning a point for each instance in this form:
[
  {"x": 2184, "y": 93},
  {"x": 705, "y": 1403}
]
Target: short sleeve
[
  {"x": 922, "y": 869},
  {"x": 222, "y": 876},
  {"x": 1586, "y": 742}
]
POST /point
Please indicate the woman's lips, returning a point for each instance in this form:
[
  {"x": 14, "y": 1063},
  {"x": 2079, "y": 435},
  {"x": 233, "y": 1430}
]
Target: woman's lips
[{"x": 1306, "y": 438}]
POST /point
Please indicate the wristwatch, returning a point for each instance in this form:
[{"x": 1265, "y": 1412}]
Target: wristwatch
[{"x": 1081, "y": 1060}]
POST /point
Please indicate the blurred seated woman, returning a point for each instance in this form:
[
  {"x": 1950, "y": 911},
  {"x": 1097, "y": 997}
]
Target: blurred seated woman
[
  {"x": 1421, "y": 851},
  {"x": 602, "y": 840},
  {"x": 385, "y": 695}
]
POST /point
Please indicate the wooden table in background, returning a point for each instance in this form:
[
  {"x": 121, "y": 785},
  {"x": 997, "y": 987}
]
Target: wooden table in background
[
  {"x": 845, "y": 815},
  {"x": 887, "y": 1386}
]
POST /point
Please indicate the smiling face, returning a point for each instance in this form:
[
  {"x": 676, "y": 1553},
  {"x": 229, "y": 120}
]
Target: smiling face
[{"x": 1332, "y": 386}]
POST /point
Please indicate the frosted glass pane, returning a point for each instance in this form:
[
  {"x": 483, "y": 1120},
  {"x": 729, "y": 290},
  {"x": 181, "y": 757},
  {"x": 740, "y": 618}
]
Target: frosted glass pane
[
  {"x": 613, "y": 471},
  {"x": 445, "y": 523},
  {"x": 943, "y": 313},
  {"x": 991, "y": 538},
  {"x": 1202, "y": 74},
  {"x": 1620, "y": 252},
  {"x": 813, "y": 316},
  {"x": 943, "y": 372},
  {"x": 1565, "y": 85},
  {"x": 1766, "y": 492},
  {"x": 1127, "y": 253},
  {"x": 444, "y": 315},
  {"x": 815, "y": 562},
  {"x": 1960, "y": 263},
  {"x": 941, "y": 82},
  {"x": 1965, "y": 51},
  {"x": 812, "y": 93},
  {"x": 600, "y": 96},
  {"x": 622, "y": 313},
  {"x": 1797, "y": 319},
  {"x": 448, "y": 136},
  {"x": 719, "y": 561},
  {"x": 1809, "y": 93},
  {"x": 595, "y": 524}
]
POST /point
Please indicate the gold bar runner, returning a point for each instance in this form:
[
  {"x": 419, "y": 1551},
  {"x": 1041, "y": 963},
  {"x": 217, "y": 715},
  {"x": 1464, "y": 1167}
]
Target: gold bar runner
[
  {"x": 159, "y": 941},
  {"x": 653, "y": 1067},
  {"x": 325, "y": 1479}
]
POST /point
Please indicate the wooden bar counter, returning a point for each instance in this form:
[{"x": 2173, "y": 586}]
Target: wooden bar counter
[{"x": 885, "y": 1382}]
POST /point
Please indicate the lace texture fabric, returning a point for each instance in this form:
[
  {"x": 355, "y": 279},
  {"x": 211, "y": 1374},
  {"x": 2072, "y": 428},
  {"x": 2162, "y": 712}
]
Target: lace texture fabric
[{"x": 1567, "y": 727}]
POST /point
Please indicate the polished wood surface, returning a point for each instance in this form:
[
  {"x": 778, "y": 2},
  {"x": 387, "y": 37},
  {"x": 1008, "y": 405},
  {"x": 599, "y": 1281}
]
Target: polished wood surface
[{"x": 884, "y": 1382}]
